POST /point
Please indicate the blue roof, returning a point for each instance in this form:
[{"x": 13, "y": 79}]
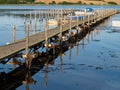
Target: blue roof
[{"x": 89, "y": 9}]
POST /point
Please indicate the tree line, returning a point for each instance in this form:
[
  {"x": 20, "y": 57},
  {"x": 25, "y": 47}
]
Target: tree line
[
  {"x": 53, "y": 2},
  {"x": 16, "y": 1}
]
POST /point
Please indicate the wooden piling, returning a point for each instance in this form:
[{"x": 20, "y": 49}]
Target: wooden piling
[
  {"x": 88, "y": 20},
  {"x": 30, "y": 17},
  {"x": 84, "y": 15},
  {"x": 40, "y": 18},
  {"x": 77, "y": 24},
  {"x": 25, "y": 22},
  {"x": 46, "y": 36},
  {"x": 70, "y": 24},
  {"x": 14, "y": 33},
  {"x": 27, "y": 44},
  {"x": 35, "y": 23},
  {"x": 61, "y": 27},
  {"x": 94, "y": 17},
  {"x": 30, "y": 20},
  {"x": 39, "y": 15}
]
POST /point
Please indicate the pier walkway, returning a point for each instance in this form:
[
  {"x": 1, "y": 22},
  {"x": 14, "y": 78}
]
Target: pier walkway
[{"x": 7, "y": 51}]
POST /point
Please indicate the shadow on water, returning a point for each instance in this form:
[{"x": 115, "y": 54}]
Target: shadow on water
[{"x": 21, "y": 75}]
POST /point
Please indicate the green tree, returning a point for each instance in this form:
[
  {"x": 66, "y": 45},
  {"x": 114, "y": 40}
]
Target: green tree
[
  {"x": 112, "y": 3},
  {"x": 53, "y": 2}
]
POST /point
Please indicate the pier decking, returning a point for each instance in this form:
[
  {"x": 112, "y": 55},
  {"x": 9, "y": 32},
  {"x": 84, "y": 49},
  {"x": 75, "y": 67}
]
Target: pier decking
[{"x": 13, "y": 48}]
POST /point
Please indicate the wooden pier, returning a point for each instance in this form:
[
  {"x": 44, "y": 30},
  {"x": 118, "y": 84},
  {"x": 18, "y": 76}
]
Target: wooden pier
[{"x": 11, "y": 49}]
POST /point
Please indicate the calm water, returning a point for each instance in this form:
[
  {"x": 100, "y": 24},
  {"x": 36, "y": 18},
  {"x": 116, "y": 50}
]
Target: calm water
[{"x": 94, "y": 66}]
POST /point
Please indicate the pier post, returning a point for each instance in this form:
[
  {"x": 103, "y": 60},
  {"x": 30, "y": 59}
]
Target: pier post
[
  {"x": 77, "y": 23},
  {"x": 27, "y": 45},
  {"x": 70, "y": 24},
  {"x": 39, "y": 15},
  {"x": 64, "y": 19},
  {"x": 35, "y": 23},
  {"x": 25, "y": 21},
  {"x": 84, "y": 15},
  {"x": 54, "y": 11},
  {"x": 88, "y": 20},
  {"x": 48, "y": 14},
  {"x": 46, "y": 36},
  {"x": 61, "y": 27},
  {"x": 30, "y": 21},
  {"x": 94, "y": 17},
  {"x": 40, "y": 19},
  {"x": 14, "y": 33}
]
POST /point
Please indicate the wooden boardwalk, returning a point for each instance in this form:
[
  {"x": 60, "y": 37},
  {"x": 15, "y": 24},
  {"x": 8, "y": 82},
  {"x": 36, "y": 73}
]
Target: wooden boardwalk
[{"x": 13, "y": 48}]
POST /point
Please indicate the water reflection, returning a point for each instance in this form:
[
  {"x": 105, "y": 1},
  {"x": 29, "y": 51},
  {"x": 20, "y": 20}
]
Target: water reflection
[
  {"x": 46, "y": 74},
  {"x": 28, "y": 79},
  {"x": 15, "y": 62},
  {"x": 19, "y": 19},
  {"x": 21, "y": 75}
]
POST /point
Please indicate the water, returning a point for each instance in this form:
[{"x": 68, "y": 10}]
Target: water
[
  {"x": 94, "y": 65},
  {"x": 10, "y": 15}
]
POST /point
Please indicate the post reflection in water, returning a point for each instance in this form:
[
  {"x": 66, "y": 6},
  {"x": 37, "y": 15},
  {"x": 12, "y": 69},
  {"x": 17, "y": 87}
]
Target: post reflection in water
[
  {"x": 70, "y": 52},
  {"x": 77, "y": 44},
  {"x": 88, "y": 37},
  {"x": 77, "y": 50},
  {"x": 28, "y": 79},
  {"x": 83, "y": 43},
  {"x": 61, "y": 61},
  {"x": 46, "y": 74}
]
